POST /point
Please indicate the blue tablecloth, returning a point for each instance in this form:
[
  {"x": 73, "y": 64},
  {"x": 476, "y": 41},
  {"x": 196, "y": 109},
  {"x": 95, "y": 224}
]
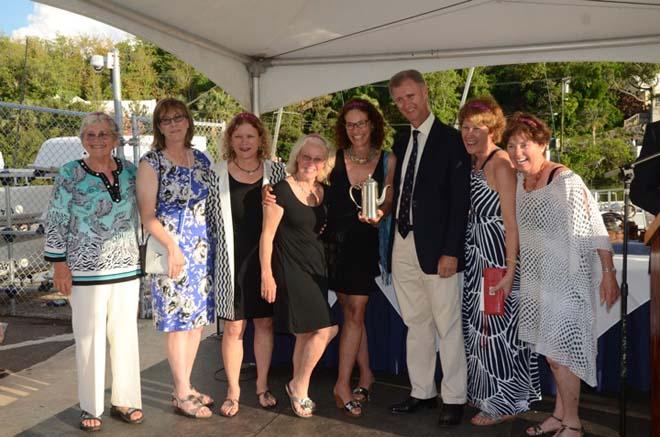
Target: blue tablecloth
[{"x": 387, "y": 352}]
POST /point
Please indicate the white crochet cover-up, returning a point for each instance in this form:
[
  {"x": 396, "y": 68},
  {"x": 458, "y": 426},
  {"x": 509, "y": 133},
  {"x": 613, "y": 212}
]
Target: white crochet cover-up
[{"x": 560, "y": 230}]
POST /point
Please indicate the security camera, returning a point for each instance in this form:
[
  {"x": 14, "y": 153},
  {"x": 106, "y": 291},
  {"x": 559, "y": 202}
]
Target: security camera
[{"x": 97, "y": 62}]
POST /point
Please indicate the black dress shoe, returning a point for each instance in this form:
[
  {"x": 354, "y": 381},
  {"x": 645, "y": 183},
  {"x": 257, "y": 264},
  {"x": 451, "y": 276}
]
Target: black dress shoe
[
  {"x": 451, "y": 414},
  {"x": 412, "y": 404}
]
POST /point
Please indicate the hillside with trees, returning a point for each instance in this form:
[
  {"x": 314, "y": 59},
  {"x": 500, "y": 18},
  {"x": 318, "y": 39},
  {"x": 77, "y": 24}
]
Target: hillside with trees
[{"x": 601, "y": 95}]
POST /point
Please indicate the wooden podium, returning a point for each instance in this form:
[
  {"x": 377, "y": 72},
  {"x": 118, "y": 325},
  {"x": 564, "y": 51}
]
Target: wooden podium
[{"x": 652, "y": 238}]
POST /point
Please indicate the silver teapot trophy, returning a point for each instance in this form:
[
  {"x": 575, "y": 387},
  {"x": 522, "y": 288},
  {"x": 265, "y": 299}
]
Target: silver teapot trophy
[{"x": 370, "y": 200}]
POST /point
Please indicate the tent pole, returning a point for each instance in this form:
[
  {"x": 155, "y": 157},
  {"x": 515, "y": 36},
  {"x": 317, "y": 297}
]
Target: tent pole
[
  {"x": 256, "y": 68},
  {"x": 254, "y": 95},
  {"x": 466, "y": 90},
  {"x": 276, "y": 131}
]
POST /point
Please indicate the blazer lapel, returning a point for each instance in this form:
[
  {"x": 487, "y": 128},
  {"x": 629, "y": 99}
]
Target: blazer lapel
[{"x": 427, "y": 155}]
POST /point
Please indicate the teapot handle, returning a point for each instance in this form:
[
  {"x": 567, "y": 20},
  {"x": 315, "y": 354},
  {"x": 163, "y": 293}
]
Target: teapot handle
[{"x": 350, "y": 193}]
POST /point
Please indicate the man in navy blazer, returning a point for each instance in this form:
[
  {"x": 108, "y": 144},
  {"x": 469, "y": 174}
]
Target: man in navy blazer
[
  {"x": 645, "y": 187},
  {"x": 431, "y": 201}
]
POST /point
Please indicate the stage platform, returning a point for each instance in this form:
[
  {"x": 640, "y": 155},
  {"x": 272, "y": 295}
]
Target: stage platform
[{"x": 41, "y": 401}]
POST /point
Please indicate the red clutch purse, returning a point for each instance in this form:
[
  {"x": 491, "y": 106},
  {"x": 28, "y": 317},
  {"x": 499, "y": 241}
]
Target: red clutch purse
[{"x": 493, "y": 299}]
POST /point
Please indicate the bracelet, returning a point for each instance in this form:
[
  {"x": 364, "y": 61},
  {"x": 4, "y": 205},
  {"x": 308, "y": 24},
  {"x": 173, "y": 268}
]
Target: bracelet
[{"x": 609, "y": 270}]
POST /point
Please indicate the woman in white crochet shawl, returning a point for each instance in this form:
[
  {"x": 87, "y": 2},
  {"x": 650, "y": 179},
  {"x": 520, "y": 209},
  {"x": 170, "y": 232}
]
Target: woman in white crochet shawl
[{"x": 565, "y": 263}]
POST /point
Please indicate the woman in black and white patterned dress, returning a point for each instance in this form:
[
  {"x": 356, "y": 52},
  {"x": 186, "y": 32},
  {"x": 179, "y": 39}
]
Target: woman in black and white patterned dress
[{"x": 502, "y": 371}]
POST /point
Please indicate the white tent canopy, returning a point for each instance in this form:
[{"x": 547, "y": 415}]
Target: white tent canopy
[{"x": 270, "y": 53}]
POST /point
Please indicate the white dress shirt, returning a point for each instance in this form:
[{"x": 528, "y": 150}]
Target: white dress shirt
[{"x": 424, "y": 131}]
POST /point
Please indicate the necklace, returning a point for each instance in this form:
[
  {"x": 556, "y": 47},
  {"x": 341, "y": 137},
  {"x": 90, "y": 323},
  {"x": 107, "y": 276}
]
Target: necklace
[
  {"x": 180, "y": 160},
  {"x": 306, "y": 192},
  {"x": 249, "y": 172},
  {"x": 534, "y": 178},
  {"x": 358, "y": 160}
]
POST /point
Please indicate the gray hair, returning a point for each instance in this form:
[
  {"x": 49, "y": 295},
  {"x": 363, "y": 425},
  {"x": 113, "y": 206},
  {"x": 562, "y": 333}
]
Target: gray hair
[
  {"x": 98, "y": 117},
  {"x": 292, "y": 164}
]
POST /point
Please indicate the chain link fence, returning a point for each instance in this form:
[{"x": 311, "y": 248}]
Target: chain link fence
[{"x": 34, "y": 143}]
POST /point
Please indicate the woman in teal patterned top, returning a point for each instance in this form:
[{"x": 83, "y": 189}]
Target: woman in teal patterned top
[{"x": 91, "y": 239}]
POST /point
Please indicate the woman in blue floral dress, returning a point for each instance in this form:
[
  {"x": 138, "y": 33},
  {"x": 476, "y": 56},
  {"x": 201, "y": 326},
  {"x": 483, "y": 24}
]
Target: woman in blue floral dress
[{"x": 172, "y": 187}]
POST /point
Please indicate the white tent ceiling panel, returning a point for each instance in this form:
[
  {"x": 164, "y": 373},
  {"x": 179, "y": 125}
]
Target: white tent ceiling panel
[
  {"x": 283, "y": 86},
  {"x": 311, "y": 47}
]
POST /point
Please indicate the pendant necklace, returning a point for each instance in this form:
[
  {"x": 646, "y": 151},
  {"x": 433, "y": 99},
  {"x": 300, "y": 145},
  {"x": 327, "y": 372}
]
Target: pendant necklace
[
  {"x": 534, "y": 178},
  {"x": 356, "y": 159},
  {"x": 248, "y": 172},
  {"x": 306, "y": 193}
]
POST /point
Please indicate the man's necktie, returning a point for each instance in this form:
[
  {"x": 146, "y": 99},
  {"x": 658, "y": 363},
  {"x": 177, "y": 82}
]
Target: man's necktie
[{"x": 403, "y": 219}]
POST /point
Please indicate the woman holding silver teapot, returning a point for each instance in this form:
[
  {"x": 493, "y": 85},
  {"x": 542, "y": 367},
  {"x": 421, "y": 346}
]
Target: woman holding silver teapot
[{"x": 353, "y": 238}]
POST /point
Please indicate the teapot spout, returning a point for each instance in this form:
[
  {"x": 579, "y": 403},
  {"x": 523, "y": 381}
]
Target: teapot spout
[{"x": 381, "y": 199}]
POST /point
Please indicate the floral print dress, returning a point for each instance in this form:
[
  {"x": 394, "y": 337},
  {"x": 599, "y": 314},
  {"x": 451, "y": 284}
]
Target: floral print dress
[{"x": 184, "y": 303}]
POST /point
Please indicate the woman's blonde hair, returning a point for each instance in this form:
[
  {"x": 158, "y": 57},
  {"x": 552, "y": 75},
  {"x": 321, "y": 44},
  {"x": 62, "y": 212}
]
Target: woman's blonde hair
[
  {"x": 292, "y": 164},
  {"x": 265, "y": 149}
]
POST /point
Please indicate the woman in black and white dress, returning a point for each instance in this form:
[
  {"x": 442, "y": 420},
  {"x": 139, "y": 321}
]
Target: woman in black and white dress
[
  {"x": 235, "y": 214},
  {"x": 502, "y": 371}
]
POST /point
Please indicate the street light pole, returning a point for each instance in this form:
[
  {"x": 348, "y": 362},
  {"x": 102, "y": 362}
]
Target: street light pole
[
  {"x": 113, "y": 64},
  {"x": 561, "y": 131}
]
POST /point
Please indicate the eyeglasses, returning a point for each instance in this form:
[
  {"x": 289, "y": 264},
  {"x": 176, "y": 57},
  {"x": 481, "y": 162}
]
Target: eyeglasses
[
  {"x": 102, "y": 136},
  {"x": 358, "y": 125},
  {"x": 316, "y": 160},
  {"x": 166, "y": 121}
]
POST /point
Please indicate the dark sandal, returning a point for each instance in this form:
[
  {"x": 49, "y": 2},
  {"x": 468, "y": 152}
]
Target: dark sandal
[
  {"x": 204, "y": 399},
  {"x": 363, "y": 393},
  {"x": 266, "y": 396},
  {"x": 538, "y": 430},
  {"x": 90, "y": 428},
  {"x": 563, "y": 428},
  {"x": 126, "y": 416},
  {"x": 193, "y": 410},
  {"x": 351, "y": 408},
  {"x": 232, "y": 403}
]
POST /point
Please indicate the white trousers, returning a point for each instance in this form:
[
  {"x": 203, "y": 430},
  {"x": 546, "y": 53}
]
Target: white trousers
[
  {"x": 98, "y": 310},
  {"x": 430, "y": 308}
]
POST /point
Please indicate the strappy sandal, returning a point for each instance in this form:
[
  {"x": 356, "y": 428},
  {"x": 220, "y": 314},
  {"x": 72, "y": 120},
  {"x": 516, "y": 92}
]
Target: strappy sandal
[
  {"x": 538, "y": 429},
  {"x": 306, "y": 405},
  {"x": 484, "y": 419},
  {"x": 232, "y": 403},
  {"x": 563, "y": 428},
  {"x": 204, "y": 399},
  {"x": 351, "y": 408},
  {"x": 195, "y": 406},
  {"x": 127, "y": 416},
  {"x": 361, "y": 394},
  {"x": 84, "y": 416},
  {"x": 266, "y": 400}
]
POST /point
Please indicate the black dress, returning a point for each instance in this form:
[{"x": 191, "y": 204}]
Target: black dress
[
  {"x": 355, "y": 251},
  {"x": 301, "y": 301},
  {"x": 247, "y": 217}
]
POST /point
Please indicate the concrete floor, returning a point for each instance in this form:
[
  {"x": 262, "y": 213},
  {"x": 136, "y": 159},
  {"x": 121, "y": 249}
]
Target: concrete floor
[{"x": 41, "y": 401}]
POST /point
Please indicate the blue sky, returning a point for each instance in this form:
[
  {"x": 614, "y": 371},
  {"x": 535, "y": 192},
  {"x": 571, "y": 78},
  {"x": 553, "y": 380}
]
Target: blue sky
[
  {"x": 24, "y": 18},
  {"x": 14, "y": 15}
]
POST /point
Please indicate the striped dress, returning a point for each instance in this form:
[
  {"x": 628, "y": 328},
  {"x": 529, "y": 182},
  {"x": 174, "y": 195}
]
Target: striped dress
[{"x": 502, "y": 371}]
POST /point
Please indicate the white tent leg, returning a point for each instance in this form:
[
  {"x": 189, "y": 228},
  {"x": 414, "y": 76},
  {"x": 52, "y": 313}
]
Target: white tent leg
[
  {"x": 466, "y": 90},
  {"x": 254, "y": 95}
]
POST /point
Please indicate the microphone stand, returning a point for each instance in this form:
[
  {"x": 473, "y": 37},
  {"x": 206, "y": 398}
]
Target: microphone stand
[{"x": 627, "y": 174}]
